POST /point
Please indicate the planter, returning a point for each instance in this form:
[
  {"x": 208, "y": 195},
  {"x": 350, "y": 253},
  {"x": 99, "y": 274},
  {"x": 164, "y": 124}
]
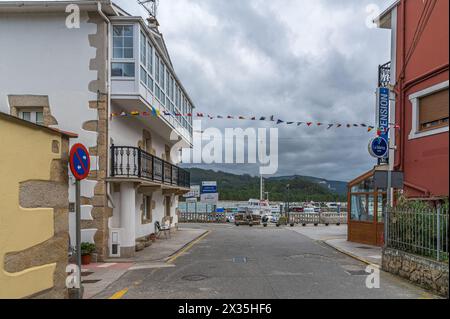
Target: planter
[
  {"x": 86, "y": 259},
  {"x": 153, "y": 237}
]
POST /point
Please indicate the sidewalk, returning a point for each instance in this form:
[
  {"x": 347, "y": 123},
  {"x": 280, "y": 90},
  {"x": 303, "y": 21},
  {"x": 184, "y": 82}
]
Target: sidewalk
[
  {"x": 336, "y": 237},
  {"x": 97, "y": 277}
]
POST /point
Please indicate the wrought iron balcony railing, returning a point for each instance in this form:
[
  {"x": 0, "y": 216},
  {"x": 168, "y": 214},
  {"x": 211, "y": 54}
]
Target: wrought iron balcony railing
[
  {"x": 128, "y": 161},
  {"x": 384, "y": 75}
]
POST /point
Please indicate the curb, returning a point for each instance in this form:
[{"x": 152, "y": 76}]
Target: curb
[
  {"x": 185, "y": 246},
  {"x": 351, "y": 255}
]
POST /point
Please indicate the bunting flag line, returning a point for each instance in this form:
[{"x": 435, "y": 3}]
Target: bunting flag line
[{"x": 157, "y": 113}]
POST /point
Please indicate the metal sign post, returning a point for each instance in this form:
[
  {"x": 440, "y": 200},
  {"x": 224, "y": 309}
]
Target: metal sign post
[{"x": 79, "y": 163}]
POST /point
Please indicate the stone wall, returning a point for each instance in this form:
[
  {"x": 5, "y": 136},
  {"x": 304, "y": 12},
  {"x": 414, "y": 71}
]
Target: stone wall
[{"x": 426, "y": 273}]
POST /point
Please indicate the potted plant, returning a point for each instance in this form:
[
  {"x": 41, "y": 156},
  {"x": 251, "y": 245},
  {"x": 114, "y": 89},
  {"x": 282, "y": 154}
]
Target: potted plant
[
  {"x": 86, "y": 253},
  {"x": 153, "y": 237}
]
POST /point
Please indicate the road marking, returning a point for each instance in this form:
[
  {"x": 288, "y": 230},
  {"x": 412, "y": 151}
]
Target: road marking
[
  {"x": 119, "y": 294},
  {"x": 185, "y": 249}
]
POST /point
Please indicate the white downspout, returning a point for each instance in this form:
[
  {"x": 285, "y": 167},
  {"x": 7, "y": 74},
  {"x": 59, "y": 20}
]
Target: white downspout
[{"x": 108, "y": 88}]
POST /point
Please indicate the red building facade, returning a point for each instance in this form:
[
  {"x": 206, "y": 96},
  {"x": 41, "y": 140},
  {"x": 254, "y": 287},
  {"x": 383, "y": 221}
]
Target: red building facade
[{"x": 419, "y": 79}]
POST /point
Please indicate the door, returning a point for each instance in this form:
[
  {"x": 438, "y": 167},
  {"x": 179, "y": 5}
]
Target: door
[{"x": 167, "y": 206}]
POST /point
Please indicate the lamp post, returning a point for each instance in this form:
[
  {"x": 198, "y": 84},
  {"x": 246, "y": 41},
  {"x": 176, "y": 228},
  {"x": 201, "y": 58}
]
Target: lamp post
[{"x": 287, "y": 204}]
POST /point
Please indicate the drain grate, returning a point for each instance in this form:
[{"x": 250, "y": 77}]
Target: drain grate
[
  {"x": 357, "y": 272},
  {"x": 240, "y": 260},
  {"x": 194, "y": 277},
  {"x": 90, "y": 281}
]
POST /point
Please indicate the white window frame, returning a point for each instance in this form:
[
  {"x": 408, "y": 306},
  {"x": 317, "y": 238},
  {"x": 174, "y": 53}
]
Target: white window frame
[
  {"x": 33, "y": 114},
  {"x": 136, "y": 51},
  {"x": 415, "y": 101}
]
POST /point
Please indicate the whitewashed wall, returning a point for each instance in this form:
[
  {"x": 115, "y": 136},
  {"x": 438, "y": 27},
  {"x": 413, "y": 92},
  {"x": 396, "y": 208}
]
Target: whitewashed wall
[{"x": 40, "y": 56}]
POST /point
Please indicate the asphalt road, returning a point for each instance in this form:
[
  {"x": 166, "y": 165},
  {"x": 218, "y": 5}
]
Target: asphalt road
[{"x": 258, "y": 263}]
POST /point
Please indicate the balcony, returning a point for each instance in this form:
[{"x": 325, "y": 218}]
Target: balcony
[
  {"x": 384, "y": 75},
  {"x": 132, "y": 162}
]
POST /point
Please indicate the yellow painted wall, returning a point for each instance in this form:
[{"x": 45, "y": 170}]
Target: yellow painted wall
[{"x": 25, "y": 154}]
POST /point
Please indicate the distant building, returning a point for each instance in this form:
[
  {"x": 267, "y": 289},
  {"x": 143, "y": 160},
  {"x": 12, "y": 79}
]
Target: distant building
[
  {"x": 76, "y": 77},
  {"x": 34, "y": 230}
]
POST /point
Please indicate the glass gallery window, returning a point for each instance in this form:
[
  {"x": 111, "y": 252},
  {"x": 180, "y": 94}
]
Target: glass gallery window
[
  {"x": 123, "y": 52},
  {"x": 366, "y": 202}
]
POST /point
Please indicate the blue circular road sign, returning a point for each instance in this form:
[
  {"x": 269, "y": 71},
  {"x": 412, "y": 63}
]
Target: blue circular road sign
[
  {"x": 79, "y": 161},
  {"x": 378, "y": 147}
]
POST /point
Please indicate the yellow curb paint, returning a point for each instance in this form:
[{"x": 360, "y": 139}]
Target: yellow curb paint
[
  {"x": 353, "y": 256},
  {"x": 185, "y": 249},
  {"x": 119, "y": 294}
]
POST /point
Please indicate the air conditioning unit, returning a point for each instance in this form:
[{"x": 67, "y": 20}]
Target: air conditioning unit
[{"x": 114, "y": 239}]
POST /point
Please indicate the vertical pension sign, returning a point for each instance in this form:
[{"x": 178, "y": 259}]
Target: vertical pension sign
[{"x": 80, "y": 165}]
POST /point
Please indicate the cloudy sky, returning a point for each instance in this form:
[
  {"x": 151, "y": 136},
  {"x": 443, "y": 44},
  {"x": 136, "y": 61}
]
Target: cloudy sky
[
  {"x": 297, "y": 59},
  {"x": 305, "y": 60},
  {"x": 300, "y": 60}
]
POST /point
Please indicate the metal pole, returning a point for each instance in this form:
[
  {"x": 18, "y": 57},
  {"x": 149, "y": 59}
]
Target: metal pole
[
  {"x": 388, "y": 197},
  {"x": 438, "y": 232},
  {"x": 78, "y": 234}
]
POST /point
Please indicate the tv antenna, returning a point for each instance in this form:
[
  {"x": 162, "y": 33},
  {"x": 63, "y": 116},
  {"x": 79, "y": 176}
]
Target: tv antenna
[{"x": 151, "y": 6}]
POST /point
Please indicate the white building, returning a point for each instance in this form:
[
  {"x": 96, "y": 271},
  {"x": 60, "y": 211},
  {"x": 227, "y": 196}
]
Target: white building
[{"x": 73, "y": 76}]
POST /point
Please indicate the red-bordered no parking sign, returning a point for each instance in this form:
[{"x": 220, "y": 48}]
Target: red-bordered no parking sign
[{"x": 79, "y": 161}]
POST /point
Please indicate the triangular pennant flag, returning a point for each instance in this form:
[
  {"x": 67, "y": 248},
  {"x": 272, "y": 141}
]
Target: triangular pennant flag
[
  {"x": 289, "y": 123},
  {"x": 330, "y": 126},
  {"x": 272, "y": 118},
  {"x": 230, "y": 117},
  {"x": 309, "y": 123},
  {"x": 189, "y": 114},
  {"x": 299, "y": 123},
  {"x": 363, "y": 125},
  {"x": 167, "y": 113},
  {"x": 355, "y": 125},
  {"x": 219, "y": 116},
  {"x": 348, "y": 126},
  {"x": 210, "y": 117},
  {"x": 262, "y": 118},
  {"x": 339, "y": 125},
  {"x": 241, "y": 118},
  {"x": 123, "y": 114},
  {"x": 319, "y": 124},
  {"x": 280, "y": 121},
  {"x": 253, "y": 118},
  {"x": 199, "y": 114}
]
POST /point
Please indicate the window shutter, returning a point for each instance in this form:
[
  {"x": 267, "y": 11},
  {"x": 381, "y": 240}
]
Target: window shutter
[{"x": 434, "y": 107}]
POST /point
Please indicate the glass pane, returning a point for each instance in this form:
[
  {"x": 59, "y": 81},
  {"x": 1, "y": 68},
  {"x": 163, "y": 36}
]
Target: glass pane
[
  {"x": 129, "y": 69},
  {"x": 26, "y": 116},
  {"x": 382, "y": 200},
  {"x": 150, "y": 83},
  {"x": 359, "y": 208},
  {"x": 118, "y": 53},
  {"x": 128, "y": 30},
  {"x": 143, "y": 76},
  {"x": 117, "y": 42},
  {"x": 364, "y": 186},
  {"x": 40, "y": 118},
  {"x": 128, "y": 53},
  {"x": 117, "y": 30},
  {"x": 128, "y": 42}
]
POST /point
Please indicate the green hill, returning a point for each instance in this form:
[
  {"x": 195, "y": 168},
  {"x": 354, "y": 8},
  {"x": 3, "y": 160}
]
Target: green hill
[{"x": 244, "y": 187}]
